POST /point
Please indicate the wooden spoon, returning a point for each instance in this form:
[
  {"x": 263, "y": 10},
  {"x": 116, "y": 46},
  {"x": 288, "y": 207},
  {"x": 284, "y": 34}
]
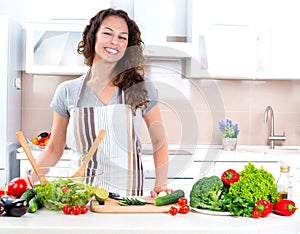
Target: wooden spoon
[
  {"x": 81, "y": 170},
  {"x": 30, "y": 157}
]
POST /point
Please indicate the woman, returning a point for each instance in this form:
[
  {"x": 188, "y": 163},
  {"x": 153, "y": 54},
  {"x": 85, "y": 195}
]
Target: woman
[{"x": 113, "y": 95}]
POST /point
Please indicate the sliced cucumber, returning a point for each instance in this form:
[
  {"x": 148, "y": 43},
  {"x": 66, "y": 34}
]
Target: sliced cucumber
[
  {"x": 162, "y": 194},
  {"x": 128, "y": 201}
]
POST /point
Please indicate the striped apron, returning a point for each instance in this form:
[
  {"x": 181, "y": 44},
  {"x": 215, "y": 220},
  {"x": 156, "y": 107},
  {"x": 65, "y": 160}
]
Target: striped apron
[{"x": 117, "y": 158}]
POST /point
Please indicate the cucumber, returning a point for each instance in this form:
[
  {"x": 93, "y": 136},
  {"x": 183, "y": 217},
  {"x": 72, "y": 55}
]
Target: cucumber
[
  {"x": 28, "y": 194},
  {"x": 129, "y": 201},
  {"x": 34, "y": 205},
  {"x": 169, "y": 198}
]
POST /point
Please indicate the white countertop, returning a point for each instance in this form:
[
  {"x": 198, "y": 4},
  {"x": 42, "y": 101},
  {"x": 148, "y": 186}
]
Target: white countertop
[{"x": 44, "y": 222}]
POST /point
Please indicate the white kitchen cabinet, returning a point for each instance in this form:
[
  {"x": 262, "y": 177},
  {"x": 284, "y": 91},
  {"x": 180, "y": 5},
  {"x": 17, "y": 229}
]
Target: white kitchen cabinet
[
  {"x": 174, "y": 26},
  {"x": 51, "y": 48},
  {"x": 25, "y": 164}
]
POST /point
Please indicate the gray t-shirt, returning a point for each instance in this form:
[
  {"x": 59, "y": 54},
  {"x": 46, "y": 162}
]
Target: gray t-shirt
[{"x": 65, "y": 96}]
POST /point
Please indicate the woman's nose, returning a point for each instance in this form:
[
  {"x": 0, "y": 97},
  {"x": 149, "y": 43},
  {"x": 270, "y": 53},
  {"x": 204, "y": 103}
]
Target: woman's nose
[{"x": 114, "y": 40}]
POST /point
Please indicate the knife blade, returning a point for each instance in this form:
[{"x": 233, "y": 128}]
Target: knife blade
[{"x": 118, "y": 197}]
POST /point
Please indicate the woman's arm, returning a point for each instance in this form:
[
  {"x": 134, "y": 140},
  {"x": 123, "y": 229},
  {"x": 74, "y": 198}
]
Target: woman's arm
[
  {"x": 159, "y": 141},
  {"x": 55, "y": 148}
]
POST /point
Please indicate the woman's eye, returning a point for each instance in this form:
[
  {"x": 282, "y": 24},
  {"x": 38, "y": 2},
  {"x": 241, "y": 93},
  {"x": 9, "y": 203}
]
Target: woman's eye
[
  {"x": 123, "y": 38},
  {"x": 107, "y": 33}
]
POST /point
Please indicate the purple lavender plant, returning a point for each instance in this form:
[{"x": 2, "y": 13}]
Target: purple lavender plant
[{"x": 228, "y": 129}]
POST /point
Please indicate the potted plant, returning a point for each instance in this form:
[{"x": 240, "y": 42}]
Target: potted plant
[{"x": 229, "y": 135}]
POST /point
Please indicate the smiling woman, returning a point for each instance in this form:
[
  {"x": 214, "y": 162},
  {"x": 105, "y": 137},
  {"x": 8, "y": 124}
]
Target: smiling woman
[{"x": 115, "y": 96}]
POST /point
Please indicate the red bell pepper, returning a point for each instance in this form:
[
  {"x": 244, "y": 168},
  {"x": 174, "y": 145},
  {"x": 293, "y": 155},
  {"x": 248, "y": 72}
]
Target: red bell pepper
[
  {"x": 264, "y": 207},
  {"x": 285, "y": 207},
  {"x": 230, "y": 176}
]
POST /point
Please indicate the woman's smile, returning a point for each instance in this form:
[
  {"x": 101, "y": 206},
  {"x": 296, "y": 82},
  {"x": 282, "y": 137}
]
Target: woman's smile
[{"x": 111, "y": 50}]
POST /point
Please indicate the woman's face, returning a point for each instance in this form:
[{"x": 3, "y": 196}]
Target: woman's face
[{"x": 111, "y": 40}]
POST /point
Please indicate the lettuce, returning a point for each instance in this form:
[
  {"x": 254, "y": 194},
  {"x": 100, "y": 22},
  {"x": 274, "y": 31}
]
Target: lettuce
[
  {"x": 54, "y": 197},
  {"x": 254, "y": 184}
]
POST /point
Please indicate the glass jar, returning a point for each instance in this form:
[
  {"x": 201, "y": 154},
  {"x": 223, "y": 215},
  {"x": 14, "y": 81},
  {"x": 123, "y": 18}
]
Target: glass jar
[{"x": 284, "y": 184}]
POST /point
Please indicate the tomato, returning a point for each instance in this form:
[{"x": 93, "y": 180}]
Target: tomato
[
  {"x": 35, "y": 141},
  {"x": 41, "y": 144},
  {"x": 173, "y": 210},
  {"x": 256, "y": 214},
  {"x": 75, "y": 210},
  {"x": 84, "y": 209},
  {"x": 182, "y": 201},
  {"x": 65, "y": 189},
  {"x": 16, "y": 187},
  {"x": 2, "y": 192},
  {"x": 67, "y": 210},
  {"x": 46, "y": 142},
  {"x": 184, "y": 209}
]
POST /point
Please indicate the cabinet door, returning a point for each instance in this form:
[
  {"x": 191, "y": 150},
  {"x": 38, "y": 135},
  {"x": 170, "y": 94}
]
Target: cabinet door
[{"x": 25, "y": 166}]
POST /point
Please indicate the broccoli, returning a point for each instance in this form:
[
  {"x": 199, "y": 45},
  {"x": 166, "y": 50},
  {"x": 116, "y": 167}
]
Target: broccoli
[{"x": 207, "y": 192}]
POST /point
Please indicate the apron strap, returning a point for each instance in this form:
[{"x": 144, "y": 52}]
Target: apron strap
[{"x": 81, "y": 88}]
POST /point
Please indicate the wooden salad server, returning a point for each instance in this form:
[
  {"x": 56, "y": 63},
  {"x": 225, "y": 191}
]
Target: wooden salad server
[
  {"x": 92, "y": 150},
  {"x": 30, "y": 157}
]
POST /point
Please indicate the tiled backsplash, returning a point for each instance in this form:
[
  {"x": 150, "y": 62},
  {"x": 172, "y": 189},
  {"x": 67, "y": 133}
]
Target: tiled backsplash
[{"x": 191, "y": 109}]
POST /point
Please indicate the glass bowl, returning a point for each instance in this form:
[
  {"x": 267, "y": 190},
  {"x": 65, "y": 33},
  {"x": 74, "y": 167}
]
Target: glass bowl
[{"x": 61, "y": 189}]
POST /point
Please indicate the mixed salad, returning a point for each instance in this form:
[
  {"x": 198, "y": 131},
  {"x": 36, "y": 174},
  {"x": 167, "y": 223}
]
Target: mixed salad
[{"x": 60, "y": 192}]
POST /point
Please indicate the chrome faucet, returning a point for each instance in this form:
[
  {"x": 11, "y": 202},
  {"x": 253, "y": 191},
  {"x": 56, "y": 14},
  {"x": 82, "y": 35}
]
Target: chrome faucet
[{"x": 272, "y": 138}]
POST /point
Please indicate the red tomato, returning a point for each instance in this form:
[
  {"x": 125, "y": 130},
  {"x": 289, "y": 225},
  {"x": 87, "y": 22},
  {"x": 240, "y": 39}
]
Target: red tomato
[
  {"x": 67, "y": 210},
  {"x": 84, "y": 209},
  {"x": 16, "y": 187},
  {"x": 65, "y": 189},
  {"x": 184, "y": 209},
  {"x": 75, "y": 210},
  {"x": 256, "y": 214},
  {"x": 2, "y": 192},
  {"x": 173, "y": 210},
  {"x": 182, "y": 201}
]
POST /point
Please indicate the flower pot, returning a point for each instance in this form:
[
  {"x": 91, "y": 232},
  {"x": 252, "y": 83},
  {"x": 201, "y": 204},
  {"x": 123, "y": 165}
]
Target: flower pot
[{"x": 229, "y": 144}]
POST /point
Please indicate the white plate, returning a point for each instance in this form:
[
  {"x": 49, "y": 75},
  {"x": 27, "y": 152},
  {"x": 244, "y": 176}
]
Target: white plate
[{"x": 211, "y": 212}]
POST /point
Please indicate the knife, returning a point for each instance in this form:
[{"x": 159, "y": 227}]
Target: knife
[{"x": 118, "y": 197}]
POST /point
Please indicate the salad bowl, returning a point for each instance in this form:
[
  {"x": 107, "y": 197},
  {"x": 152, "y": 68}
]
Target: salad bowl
[{"x": 62, "y": 188}]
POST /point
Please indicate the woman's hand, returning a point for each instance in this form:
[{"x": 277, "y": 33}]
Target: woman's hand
[{"x": 154, "y": 193}]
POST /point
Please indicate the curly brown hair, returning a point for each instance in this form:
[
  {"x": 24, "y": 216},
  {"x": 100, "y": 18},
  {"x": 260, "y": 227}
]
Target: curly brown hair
[{"x": 129, "y": 69}]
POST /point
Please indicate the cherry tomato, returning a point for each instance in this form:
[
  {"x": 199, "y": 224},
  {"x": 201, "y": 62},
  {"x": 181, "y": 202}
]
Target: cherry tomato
[
  {"x": 84, "y": 209},
  {"x": 256, "y": 214},
  {"x": 65, "y": 189},
  {"x": 75, "y": 210},
  {"x": 173, "y": 210},
  {"x": 46, "y": 142},
  {"x": 184, "y": 209},
  {"x": 67, "y": 210},
  {"x": 41, "y": 144},
  {"x": 182, "y": 201},
  {"x": 16, "y": 187},
  {"x": 35, "y": 141}
]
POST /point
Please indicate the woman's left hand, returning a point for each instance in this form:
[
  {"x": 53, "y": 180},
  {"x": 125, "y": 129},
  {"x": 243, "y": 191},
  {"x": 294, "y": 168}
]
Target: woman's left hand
[{"x": 154, "y": 193}]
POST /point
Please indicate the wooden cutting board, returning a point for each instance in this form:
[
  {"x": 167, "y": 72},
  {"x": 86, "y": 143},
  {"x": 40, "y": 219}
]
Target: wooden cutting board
[{"x": 112, "y": 206}]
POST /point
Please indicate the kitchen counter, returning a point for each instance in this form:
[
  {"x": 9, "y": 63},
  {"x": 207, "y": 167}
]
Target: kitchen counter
[{"x": 44, "y": 222}]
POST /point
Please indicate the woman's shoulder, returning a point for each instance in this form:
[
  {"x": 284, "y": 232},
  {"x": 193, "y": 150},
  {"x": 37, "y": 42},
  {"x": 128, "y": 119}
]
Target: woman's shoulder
[
  {"x": 70, "y": 85},
  {"x": 73, "y": 82}
]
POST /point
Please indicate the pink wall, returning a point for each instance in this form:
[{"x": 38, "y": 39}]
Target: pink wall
[{"x": 191, "y": 109}]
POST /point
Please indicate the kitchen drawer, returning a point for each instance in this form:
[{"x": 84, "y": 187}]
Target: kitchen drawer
[{"x": 25, "y": 165}]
